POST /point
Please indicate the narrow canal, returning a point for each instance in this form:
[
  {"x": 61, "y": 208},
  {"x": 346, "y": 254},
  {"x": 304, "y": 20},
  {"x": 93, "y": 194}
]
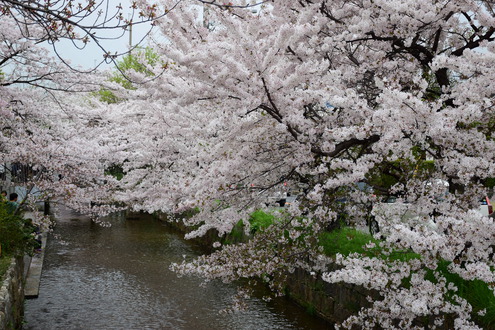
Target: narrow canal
[{"x": 118, "y": 277}]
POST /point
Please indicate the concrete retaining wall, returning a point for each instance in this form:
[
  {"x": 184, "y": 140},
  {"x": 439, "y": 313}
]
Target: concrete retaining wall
[
  {"x": 333, "y": 302},
  {"x": 12, "y": 296}
]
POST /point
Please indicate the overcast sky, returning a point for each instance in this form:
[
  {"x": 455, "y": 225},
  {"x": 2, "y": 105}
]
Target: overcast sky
[{"x": 92, "y": 55}]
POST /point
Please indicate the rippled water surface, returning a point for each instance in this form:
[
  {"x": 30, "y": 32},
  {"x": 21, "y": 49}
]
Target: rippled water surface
[{"x": 117, "y": 277}]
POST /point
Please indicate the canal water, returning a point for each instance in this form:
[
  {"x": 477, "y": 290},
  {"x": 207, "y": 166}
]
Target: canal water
[{"x": 118, "y": 277}]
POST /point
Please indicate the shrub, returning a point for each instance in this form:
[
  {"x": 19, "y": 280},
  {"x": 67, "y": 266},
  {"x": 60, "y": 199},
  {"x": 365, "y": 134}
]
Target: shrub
[
  {"x": 260, "y": 220},
  {"x": 4, "y": 265},
  {"x": 16, "y": 233},
  {"x": 348, "y": 240}
]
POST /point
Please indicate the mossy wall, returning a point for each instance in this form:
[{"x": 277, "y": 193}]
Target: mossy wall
[{"x": 12, "y": 296}]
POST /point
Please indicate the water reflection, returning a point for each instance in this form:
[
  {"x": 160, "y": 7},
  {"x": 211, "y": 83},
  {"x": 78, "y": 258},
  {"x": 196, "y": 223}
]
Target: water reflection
[{"x": 118, "y": 278}]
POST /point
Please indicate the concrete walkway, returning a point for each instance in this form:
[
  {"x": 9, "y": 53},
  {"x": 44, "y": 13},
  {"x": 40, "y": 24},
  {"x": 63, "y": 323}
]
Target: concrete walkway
[{"x": 32, "y": 270}]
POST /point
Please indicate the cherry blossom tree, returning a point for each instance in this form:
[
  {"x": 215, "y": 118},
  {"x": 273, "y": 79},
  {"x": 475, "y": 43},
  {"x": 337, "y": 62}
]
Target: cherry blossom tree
[
  {"x": 48, "y": 123},
  {"x": 322, "y": 95},
  {"x": 56, "y": 139},
  {"x": 319, "y": 95},
  {"x": 31, "y": 78},
  {"x": 49, "y": 120}
]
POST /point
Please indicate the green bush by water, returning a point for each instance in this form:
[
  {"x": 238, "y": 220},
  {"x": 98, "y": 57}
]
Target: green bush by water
[
  {"x": 16, "y": 233},
  {"x": 260, "y": 220},
  {"x": 345, "y": 241},
  {"x": 348, "y": 240}
]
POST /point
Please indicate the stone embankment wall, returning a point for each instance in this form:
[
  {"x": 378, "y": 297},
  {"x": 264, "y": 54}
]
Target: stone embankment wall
[{"x": 12, "y": 296}]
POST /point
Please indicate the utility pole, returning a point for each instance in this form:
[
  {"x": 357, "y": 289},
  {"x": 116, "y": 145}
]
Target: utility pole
[
  {"x": 130, "y": 32},
  {"x": 130, "y": 37}
]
